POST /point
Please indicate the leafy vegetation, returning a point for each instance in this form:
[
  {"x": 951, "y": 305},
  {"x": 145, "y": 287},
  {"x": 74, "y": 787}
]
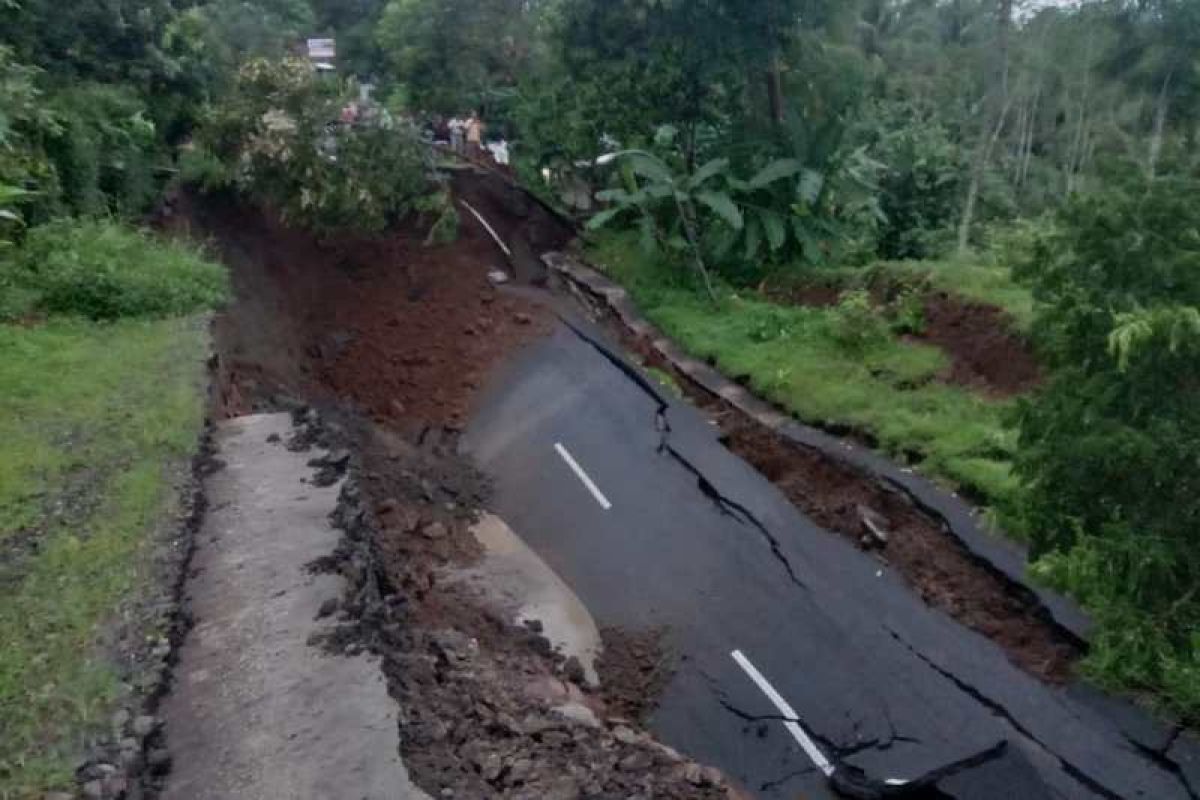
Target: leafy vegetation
[
  {"x": 103, "y": 271},
  {"x": 1109, "y": 447},
  {"x": 95, "y": 424},
  {"x": 839, "y": 367},
  {"x": 278, "y": 136}
]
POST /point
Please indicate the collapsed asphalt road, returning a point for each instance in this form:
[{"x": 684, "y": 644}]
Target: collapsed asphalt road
[
  {"x": 802, "y": 663},
  {"x": 630, "y": 497}
]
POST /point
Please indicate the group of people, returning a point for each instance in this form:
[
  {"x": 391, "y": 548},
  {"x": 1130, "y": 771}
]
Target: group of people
[{"x": 466, "y": 135}]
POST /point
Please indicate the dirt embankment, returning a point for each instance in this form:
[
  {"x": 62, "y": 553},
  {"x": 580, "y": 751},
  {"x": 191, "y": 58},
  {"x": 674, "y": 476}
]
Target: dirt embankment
[
  {"x": 404, "y": 332},
  {"x": 986, "y": 352},
  {"x": 393, "y": 340}
]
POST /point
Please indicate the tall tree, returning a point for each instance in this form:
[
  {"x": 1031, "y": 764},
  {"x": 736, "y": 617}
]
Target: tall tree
[{"x": 995, "y": 108}]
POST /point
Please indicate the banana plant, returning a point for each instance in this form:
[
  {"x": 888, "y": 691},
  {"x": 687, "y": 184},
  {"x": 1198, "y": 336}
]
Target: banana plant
[
  {"x": 661, "y": 188},
  {"x": 11, "y": 221}
]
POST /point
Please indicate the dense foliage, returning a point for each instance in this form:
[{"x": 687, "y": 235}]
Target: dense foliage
[
  {"x": 102, "y": 270},
  {"x": 277, "y": 134},
  {"x": 1110, "y": 447}
]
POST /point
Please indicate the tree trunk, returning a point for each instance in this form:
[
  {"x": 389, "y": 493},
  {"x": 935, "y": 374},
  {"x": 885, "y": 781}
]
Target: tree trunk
[
  {"x": 983, "y": 155},
  {"x": 775, "y": 90},
  {"x": 1031, "y": 130},
  {"x": 1160, "y": 124},
  {"x": 996, "y": 106}
]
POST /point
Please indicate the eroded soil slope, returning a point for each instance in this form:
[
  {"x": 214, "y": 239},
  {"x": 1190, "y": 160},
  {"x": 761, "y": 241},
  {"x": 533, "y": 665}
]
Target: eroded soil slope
[{"x": 391, "y": 340}]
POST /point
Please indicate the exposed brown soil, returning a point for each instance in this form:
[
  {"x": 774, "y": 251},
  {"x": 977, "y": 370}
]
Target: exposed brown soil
[
  {"x": 839, "y": 497},
  {"x": 634, "y": 669},
  {"x": 394, "y": 339},
  {"x": 986, "y": 352},
  {"x": 406, "y": 332},
  {"x": 489, "y": 709}
]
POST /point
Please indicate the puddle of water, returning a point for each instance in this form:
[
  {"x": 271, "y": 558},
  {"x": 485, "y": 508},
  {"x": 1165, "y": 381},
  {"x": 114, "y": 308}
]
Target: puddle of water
[{"x": 518, "y": 580}]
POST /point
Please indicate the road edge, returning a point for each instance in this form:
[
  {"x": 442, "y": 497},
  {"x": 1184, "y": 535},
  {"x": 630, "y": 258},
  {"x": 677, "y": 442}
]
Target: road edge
[{"x": 999, "y": 554}]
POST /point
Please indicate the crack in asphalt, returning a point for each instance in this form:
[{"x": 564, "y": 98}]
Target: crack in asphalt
[
  {"x": 734, "y": 509},
  {"x": 835, "y": 752},
  {"x": 999, "y": 710},
  {"x": 727, "y": 505},
  {"x": 1164, "y": 761},
  {"x": 775, "y": 783},
  {"x": 847, "y": 778}
]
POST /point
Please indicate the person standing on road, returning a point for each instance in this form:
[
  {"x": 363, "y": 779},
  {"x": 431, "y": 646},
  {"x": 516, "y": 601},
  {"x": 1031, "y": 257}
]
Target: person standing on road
[
  {"x": 456, "y": 134},
  {"x": 475, "y": 128}
]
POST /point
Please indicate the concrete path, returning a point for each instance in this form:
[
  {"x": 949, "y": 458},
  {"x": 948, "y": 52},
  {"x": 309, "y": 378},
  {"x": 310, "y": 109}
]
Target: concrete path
[{"x": 257, "y": 713}]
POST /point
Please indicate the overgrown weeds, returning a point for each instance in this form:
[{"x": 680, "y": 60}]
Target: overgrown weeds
[
  {"x": 102, "y": 403},
  {"x": 103, "y": 270},
  {"x": 838, "y": 367}
]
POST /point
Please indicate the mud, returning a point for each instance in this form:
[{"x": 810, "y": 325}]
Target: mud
[
  {"x": 634, "y": 668},
  {"x": 392, "y": 341},
  {"x": 985, "y": 350},
  {"x": 884, "y": 521},
  {"x": 489, "y": 709},
  {"x": 405, "y": 333}
]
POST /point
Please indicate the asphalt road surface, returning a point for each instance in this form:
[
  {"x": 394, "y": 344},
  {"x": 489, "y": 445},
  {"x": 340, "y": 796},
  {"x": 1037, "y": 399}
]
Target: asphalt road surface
[{"x": 803, "y": 663}]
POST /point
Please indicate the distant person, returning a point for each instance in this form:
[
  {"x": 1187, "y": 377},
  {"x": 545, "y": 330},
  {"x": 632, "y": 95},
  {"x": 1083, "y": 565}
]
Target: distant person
[
  {"x": 456, "y": 135},
  {"x": 475, "y": 128}
]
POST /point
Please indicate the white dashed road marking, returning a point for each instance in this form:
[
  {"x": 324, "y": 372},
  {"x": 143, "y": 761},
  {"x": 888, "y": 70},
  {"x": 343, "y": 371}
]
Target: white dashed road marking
[
  {"x": 583, "y": 476},
  {"x": 789, "y": 714}
]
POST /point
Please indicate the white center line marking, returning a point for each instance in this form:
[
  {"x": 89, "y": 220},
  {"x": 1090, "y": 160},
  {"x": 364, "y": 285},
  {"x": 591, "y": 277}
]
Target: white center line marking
[
  {"x": 583, "y": 476},
  {"x": 793, "y": 727}
]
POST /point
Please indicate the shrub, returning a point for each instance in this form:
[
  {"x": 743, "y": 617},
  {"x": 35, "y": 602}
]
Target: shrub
[
  {"x": 1109, "y": 447},
  {"x": 105, "y": 151},
  {"x": 103, "y": 270},
  {"x": 200, "y": 167},
  {"x": 279, "y": 135},
  {"x": 855, "y": 323}
]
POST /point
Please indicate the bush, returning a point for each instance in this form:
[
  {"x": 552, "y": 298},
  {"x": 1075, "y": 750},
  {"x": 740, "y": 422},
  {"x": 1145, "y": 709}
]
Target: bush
[
  {"x": 920, "y": 190},
  {"x": 278, "y": 134},
  {"x": 200, "y": 167},
  {"x": 105, "y": 152},
  {"x": 103, "y": 270},
  {"x": 1109, "y": 447},
  {"x": 855, "y": 323}
]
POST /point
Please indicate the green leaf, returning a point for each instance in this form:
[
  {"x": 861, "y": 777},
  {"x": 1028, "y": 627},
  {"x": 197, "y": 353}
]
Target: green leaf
[
  {"x": 809, "y": 245},
  {"x": 708, "y": 172},
  {"x": 723, "y": 242},
  {"x": 811, "y": 183},
  {"x": 753, "y": 239},
  {"x": 776, "y": 232},
  {"x": 724, "y": 207},
  {"x": 650, "y": 167},
  {"x": 776, "y": 170},
  {"x": 677, "y": 243},
  {"x": 603, "y": 218},
  {"x": 647, "y": 239},
  {"x": 614, "y": 196}
]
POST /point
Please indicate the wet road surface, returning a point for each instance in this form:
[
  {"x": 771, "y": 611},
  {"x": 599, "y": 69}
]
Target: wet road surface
[{"x": 802, "y": 662}]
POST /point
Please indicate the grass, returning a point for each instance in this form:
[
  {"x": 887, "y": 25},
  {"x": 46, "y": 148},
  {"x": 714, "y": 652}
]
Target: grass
[
  {"x": 804, "y": 360},
  {"x": 95, "y": 419},
  {"x": 988, "y": 283}
]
